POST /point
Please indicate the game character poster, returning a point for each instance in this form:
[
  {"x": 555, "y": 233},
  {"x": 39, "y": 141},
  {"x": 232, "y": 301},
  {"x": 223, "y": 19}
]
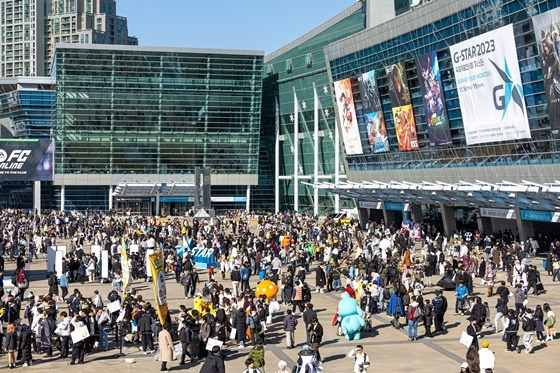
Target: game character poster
[
  {"x": 347, "y": 117},
  {"x": 373, "y": 112},
  {"x": 403, "y": 115},
  {"x": 547, "y": 30},
  {"x": 432, "y": 97}
]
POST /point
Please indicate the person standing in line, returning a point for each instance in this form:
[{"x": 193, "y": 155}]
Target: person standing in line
[
  {"x": 549, "y": 322},
  {"x": 316, "y": 337},
  {"x": 11, "y": 345},
  {"x": 361, "y": 359},
  {"x": 412, "y": 319},
  {"x": 486, "y": 357},
  {"x": 528, "y": 325},
  {"x": 63, "y": 331},
  {"x": 428, "y": 313},
  {"x": 290, "y": 323},
  {"x": 511, "y": 336}
]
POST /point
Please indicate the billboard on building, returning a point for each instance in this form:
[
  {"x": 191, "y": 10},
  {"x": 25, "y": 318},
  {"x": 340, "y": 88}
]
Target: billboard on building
[
  {"x": 373, "y": 112},
  {"x": 547, "y": 29},
  {"x": 489, "y": 87},
  {"x": 26, "y": 160},
  {"x": 432, "y": 97},
  {"x": 347, "y": 116},
  {"x": 403, "y": 115}
]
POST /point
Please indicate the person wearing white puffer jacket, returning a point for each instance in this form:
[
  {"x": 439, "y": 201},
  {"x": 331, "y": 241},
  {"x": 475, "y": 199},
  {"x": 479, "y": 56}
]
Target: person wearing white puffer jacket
[{"x": 63, "y": 331}]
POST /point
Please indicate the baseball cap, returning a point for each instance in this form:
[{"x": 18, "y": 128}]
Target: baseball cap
[
  {"x": 464, "y": 365},
  {"x": 485, "y": 343}
]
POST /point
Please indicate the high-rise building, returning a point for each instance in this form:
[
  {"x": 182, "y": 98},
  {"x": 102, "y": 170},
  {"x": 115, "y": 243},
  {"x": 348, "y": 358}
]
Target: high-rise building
[
  {"x": 22, "y": 32},
  {"x": 29, "y": 30},
  {"x": 85, "y": 22}
]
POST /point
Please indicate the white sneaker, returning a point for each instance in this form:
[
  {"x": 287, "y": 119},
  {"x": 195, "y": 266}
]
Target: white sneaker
[
  {"x": 145, "y": 353},
  {"x": 25, "y": 364}
]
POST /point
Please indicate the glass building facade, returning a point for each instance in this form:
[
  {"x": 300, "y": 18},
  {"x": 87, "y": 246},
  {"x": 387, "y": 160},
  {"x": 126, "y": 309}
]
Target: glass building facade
[
  {"x": 290, "y": 74},
  {"x": 127, "y": 113},
  {"x": 416, "y": 33}
]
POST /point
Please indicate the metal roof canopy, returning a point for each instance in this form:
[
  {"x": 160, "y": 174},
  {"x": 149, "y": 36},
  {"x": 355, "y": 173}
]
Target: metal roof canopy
[
  {"x": 152, "y": 189},
  {"x": 525, "y": 195}
]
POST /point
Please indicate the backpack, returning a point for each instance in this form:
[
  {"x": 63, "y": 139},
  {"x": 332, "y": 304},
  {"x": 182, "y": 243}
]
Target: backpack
[
  {"x": 488, "y": 249},
  {"x": 438, "y": 304},
  {"x": 528, "y": 324},
  {"x": 306, "y": 293},
  {"x": 386, "y": 294},
  {"x": 412, "y": 313}
]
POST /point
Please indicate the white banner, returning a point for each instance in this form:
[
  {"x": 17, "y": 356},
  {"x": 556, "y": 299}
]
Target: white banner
[
  {"x": 58, "y": 262},
  {"x": 104, "y": 264},
  {"x": 96, "y": 250},
  {"x": 347, "y": 117},
  {"x": 498, "y": 213},
  {"x": 133, "y": 249},
  {"x": 51, "y": 259},
  {"x": 489, "y": 87},
  {"x": 147, "y": 262},
  {"x": 370, "y": 205}
]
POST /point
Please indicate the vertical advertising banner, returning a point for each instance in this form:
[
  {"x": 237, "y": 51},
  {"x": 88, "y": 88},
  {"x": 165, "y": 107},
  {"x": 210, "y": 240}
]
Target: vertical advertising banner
[
  {"x": 124, "y": 267},
  {"x": 403, "y": 116},
  {"x": 547, "y": 29},
  {"x": 373, "y": 113},
  {"x": 432, "y": 97},
  {"x": 160, "y": 290},
  {"x": 347, "y": 113},
  {"x": 489, "y": 87}
]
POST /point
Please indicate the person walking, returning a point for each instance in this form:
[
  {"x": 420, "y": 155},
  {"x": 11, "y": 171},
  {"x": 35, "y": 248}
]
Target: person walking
[
  {"x": 165, "y": 347},
  {"x": 316, "y": 337},
  {"x": 25, "y": 345},
  {"x": 361, "y": 359},
  {"x": 186, "y": 339},
  {"x": 240, "y": 325},
  {"x": 474, "y": 331},
  {"x": 308, "y": 315},
  {"x": 297, "y": 297},
  {"x": 461, "y": 293},
  {"x": 290, "y": 323}
]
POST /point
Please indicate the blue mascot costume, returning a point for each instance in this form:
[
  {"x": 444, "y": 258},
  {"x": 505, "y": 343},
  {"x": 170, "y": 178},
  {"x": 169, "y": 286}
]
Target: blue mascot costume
[{"x": 351, "y": 317}]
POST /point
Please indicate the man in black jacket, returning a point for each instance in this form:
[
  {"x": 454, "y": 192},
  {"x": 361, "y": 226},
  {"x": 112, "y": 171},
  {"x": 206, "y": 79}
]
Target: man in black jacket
[
  {"x": 308, "y": 315},
  {"x": 145, "y": 328},
  {"x": 214, "y": 363},
  {"x": 316, "y": 337}
]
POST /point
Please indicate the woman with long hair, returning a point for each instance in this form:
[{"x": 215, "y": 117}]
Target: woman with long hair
[
  {"x": 549, "y": 322},
  {"x": 539, "y": 319}
]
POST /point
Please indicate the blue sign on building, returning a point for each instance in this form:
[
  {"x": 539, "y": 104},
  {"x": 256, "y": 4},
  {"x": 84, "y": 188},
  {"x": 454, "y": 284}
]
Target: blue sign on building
[
  {"x": 537, "y": 215},
  {"x": 394, "y": 206}
]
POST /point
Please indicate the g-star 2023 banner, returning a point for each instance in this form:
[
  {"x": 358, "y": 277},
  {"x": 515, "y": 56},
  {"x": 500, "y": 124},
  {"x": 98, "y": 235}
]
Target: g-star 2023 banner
[{"x": 489, "y": 87}]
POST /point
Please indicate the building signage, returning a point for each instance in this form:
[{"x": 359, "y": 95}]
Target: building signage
[
  {"x": 394, "y": 206},
  {"x": 26, "y": 160},
  {"x": 432, "y": 97},
  {"x": 347, "y": 117},
  {"x": 229, "y": 199},
  {"x": 403, "y": 115},
  {"x": 489, "y": 87},
  {"x": 539, "y": 215},
  {"x": 176, "y": 199},
  {"x": 370, "y": 205},
  {"x": 546, "y": 27},
  {"x": 498, "y": 213},
  {"x": 373, "y": 113}
]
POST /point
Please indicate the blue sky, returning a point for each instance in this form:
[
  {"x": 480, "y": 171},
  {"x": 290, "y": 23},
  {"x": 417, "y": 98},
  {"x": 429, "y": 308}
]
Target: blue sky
[{"x": 226, "y": 24}]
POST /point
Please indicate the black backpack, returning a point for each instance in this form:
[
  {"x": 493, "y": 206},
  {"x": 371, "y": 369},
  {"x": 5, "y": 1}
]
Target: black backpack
[
  {"x": 386, "y": 294},
  {"x": 306, "y": 293},
  {"x": 528, "y": 324}
]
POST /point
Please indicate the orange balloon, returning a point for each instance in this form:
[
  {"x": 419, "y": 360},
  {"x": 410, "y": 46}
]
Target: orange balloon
[{"x": 267, "y": 288}]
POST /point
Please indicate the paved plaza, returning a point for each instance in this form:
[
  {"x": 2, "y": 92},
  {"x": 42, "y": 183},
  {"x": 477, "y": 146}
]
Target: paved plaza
[{"x": 387, "y": 347}]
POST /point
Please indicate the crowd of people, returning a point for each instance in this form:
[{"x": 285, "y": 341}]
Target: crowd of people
[{"x": 387, "y": 269}]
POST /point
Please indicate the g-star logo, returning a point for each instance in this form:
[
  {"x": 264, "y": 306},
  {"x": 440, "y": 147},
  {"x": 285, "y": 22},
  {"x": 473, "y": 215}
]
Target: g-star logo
[{"x": 504, "y": 93}]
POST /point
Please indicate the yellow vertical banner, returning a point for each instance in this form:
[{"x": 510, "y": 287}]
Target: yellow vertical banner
[
  {"x": 125, "y": 268},
  {"x": 160, "y": 291}
]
